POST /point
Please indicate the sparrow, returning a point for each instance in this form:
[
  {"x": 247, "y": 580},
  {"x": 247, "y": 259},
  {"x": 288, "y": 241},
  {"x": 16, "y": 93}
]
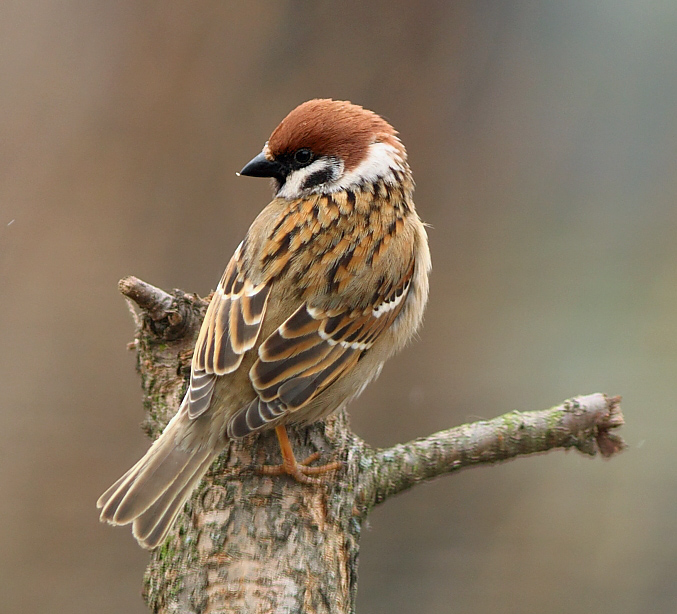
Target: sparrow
[{"x": 330, "y": 281}]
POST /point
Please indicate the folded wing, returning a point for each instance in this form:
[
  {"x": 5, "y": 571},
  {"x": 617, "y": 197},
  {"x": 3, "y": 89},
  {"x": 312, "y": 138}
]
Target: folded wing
[
  {"x": 230, "y": 328},
  {"x": 311, "y": 350}
]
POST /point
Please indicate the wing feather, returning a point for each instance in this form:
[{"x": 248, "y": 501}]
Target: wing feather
[
  {"x": 231, "y": 327},
  {"x": 311, "y": 350}
]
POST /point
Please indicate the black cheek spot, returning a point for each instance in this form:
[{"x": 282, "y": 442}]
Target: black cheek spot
[{"x": 318, "y": 178}]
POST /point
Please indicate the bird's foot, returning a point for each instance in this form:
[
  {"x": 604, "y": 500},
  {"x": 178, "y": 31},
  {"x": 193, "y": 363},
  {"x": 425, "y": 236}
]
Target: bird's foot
[{"x": 301, "y": 471}]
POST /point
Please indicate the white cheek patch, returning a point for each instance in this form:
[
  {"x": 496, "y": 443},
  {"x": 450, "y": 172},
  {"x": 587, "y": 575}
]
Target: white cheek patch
[
  {"x": 382, "y": 159},
  {"x": 294, "y": 185}
]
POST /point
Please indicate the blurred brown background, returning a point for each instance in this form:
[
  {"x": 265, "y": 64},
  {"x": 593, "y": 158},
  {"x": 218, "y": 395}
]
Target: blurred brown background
[{"x": 543, "y": 137}]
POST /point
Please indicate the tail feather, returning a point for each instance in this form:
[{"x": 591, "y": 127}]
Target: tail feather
[
  {"x": 153, "y": 491},
  {"x": 135, "y": 491},
  {"x": 150, "y": 482},
  {"x": 110, "y": 501},
  {"x": 151, "y": 527},
  {"x": 105, "y": 498}
]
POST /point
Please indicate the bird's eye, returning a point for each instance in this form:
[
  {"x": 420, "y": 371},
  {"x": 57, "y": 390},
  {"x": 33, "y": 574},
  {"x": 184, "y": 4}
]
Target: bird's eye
[{"x": 303, "y": 156}]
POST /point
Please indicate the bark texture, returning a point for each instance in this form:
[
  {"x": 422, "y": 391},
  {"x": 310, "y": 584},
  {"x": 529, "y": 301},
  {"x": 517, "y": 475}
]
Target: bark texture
[{"x": 248, "y": 543}]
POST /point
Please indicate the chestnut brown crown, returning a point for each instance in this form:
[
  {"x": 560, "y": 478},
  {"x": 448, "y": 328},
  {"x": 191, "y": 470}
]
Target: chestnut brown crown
[{"x": 333, "y": 128}]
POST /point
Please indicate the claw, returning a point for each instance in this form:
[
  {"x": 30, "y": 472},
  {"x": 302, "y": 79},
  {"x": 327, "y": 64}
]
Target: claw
[{"x": 300, "y": 471}]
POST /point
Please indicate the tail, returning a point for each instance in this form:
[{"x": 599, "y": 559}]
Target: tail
[{"x": 152, "y": 493}]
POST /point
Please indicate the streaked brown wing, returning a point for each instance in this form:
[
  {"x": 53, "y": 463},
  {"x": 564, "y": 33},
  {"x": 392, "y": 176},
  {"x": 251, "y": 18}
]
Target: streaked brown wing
[
  {"x": 310, "y": 351},
  {"x": 230, "y": 328}
]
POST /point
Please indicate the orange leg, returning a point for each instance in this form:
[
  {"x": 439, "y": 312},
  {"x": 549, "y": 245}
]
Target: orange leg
[{"x": 298, "y": 470}]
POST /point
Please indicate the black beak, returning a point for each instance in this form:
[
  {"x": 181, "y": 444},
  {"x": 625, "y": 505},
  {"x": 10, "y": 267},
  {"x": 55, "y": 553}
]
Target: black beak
[{"x": 260, "y": 166}]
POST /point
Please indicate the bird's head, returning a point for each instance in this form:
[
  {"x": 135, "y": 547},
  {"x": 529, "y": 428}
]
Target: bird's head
[{"x": 325, "y": 146}]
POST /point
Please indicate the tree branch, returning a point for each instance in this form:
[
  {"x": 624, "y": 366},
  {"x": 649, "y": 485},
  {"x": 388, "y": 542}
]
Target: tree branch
[
  {"x": 249, "y": 543},
  {"x": 584, "y": 423}
]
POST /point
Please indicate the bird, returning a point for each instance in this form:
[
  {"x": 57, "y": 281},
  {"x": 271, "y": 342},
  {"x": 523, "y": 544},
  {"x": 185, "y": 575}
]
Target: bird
[{"x": 330, "y": 281}]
